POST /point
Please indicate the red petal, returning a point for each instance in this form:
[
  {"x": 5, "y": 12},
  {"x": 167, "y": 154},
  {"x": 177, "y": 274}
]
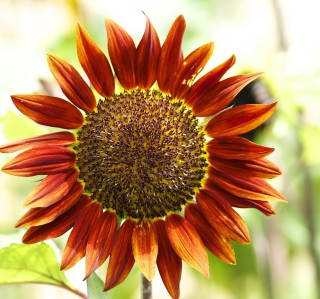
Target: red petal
[
  {"x": 145, "y": 247},
  {"x": 220, "y": 95},
  {"x": 236, "y": 147},
  {"x": 208, "y": 80},
  {"x": 72, "y": 84},
  {"x": 122, "y": 53},
  {"x": 121, "y": 258},
  {"x": 168, "y": 262},
  {"x": 260, "y": 168},
  {"x": 42, "y": 159},
  {"x": 187, "y": 243},
  {"x": 239, "y": 202},
  {"x": 101, "y": 241},
  {"x": 262, "y": 206},
  {"x": 76, "y": 245},
  {"x": 51, "y": 189},
  {"x": 170, "y": 56},
  {"x": 189, "y": 69},
  {"x": 40, "y": 216},
  {"x": 222, "y": 217},
  {"x": 247, "y": 188},
  {"x": 57, "y": 227},
  {"x": 147, "y": 57},
  {"x": 58, "y": 138},
  {"x": 218, "y": 244},
  {"x": 94, "y": 63},
  {"x": 49, "y": 111},
  {"x": 239, "y": 120}
]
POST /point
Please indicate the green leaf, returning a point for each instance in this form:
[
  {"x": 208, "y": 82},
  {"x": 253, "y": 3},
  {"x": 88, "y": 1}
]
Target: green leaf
[
  {"x": 95, "y": 286},
  {"x": 35, "y": 263}
]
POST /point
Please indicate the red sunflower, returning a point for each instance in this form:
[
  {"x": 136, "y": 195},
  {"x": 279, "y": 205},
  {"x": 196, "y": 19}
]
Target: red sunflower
[{"x": 131, "y": 163}]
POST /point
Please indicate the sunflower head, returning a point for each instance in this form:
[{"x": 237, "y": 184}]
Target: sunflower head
[{"x": 150, "y": 174}]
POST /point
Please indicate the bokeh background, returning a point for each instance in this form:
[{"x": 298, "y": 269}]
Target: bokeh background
[{"x": 279, "y": 37}]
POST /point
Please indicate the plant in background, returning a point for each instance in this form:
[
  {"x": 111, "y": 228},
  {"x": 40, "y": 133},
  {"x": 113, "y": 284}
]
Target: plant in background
[{"x": 150, "y": 163}]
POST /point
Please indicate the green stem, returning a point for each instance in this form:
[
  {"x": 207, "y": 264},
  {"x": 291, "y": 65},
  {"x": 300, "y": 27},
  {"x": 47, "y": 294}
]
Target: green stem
[
  {"x": 279, "y": 22},
  {"x": 75, "y": 291},
  {"x": 146, "y": 288}
]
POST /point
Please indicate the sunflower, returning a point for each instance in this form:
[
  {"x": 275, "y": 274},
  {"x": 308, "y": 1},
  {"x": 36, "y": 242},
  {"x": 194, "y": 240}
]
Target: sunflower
[{"x": 149, "y": 172}]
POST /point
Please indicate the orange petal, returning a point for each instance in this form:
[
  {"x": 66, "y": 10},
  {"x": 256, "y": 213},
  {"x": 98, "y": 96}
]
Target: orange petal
[
  {"x": 262, "y": 206},
  {"x": 208, "y": 80},
  {"x": 187, "y": 243},
  {"x": 170, "y": 56},
  {"x": 220, "y": 95},
  {"x": 217, "y": 243},
  {"x": 48, "y": 111},
  {"x": 222, "y": 217},
  {"x": 256, "y": 189},
  {"x": 40, "y": 216},
  {"x": 76, "y": 245},
  {"x": 236, "y": 147},
  {"x": 239, "y": 120},
  {"x": 189, "y": 69},
  {"x": 147, "y": 57},
  {"x": 121, "y": 258},
  {"x": 72, "y": 84},
  {"x": 122, "y": 53},
  {"x": 101, "y": 241},
  {"x": 94, "y": 63},
  {"x": 51, "y": 189},
  {"x": 240, "y": 202},
  {"x": 57, "y": 227},
  {"x": 57, "y": 138},
  {"x": 168, "y": 262},
  {"x": 42, "y": 159},
  {"x": 260, "y": 168},
  {"x": 145, "y": 247}
]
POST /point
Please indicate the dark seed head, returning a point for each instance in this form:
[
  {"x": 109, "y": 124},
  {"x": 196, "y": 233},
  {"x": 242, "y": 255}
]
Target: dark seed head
[{"x": 141, "y": 154}]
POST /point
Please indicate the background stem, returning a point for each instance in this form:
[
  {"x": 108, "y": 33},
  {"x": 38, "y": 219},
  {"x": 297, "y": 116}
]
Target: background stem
[{"x": 146, "y": 288}]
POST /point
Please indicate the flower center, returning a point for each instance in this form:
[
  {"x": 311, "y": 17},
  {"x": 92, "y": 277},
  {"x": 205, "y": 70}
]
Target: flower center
[{"x": 141, "y": 154}]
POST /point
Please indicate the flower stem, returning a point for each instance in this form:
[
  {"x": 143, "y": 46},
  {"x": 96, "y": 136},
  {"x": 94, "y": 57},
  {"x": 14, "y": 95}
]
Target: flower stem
[
  {"x": 74, "y": 290},
  {"x": 146, "y": 288}
]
